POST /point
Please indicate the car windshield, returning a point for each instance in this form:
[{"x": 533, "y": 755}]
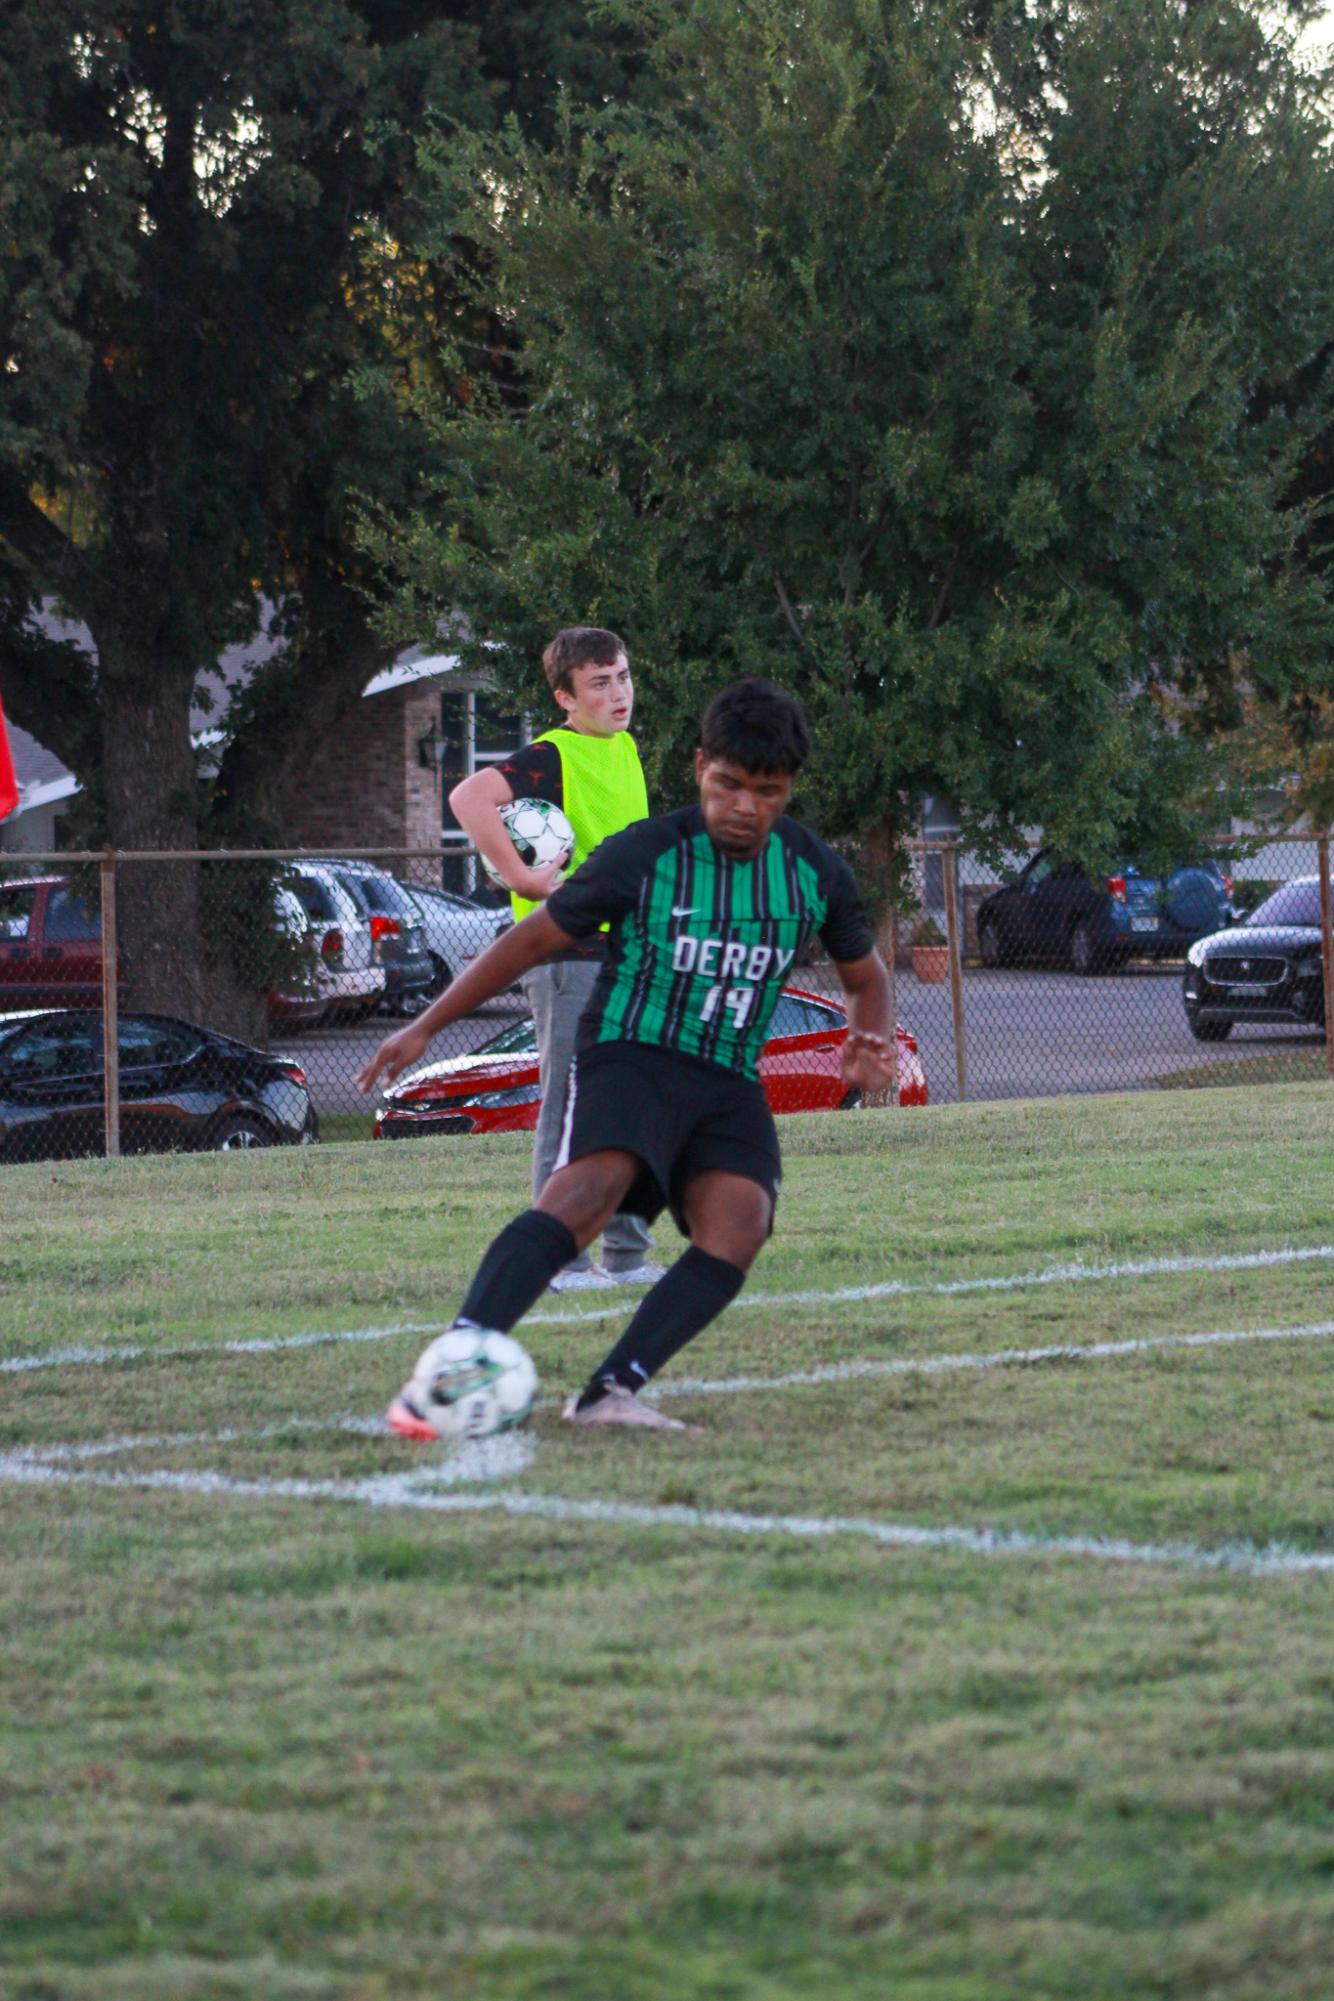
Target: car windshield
[
  {"x": 1294, "y": 903},
  {"x": 70, "y": 918},
  {"x": 428, "y": 893},
  {"x": 511, "y": 1041},
  {"x": 319, "y": 902},
  {"x": 384, "y": 896}
]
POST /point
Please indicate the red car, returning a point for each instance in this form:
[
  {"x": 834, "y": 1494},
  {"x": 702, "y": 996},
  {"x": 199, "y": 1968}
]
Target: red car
[{"x": 495, "y": 1089}]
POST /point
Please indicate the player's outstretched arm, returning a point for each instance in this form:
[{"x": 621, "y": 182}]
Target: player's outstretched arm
[
  {"x": 513, "y": 954},
  {"x": 869, "y": 1050}
]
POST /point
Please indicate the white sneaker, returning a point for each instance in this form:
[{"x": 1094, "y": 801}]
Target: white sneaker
[
  {"x": 621, "y": 1406},
  {"x": 582, "y": 1278},
  {"x": 646, "y": 1274}
]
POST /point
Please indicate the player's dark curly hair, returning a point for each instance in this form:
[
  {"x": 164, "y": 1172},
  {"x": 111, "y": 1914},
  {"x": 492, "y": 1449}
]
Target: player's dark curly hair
[{"x": 757, "y": 725}]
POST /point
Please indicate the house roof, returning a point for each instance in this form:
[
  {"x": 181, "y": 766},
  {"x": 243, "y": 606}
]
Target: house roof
[{"x": 34, "y": 764}]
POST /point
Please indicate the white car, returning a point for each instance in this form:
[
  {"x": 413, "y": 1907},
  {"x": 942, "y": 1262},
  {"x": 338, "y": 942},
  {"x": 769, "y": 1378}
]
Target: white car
[
  {"x": 347, "y": 974},
  {"x": 457, "y": 931}
]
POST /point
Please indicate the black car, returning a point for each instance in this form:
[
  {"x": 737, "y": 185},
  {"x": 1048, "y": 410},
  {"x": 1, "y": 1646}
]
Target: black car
[
  {"x": 1268, "y": 969},
  {"x": 398, "y": 933},
  {"x": 1055, "y": 912},
  {"x": 181, "y": 1088}
]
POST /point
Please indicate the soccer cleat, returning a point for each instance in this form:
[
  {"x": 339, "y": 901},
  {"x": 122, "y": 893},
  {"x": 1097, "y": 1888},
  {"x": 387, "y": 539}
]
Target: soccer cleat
[
  {"x": 582, "y": 1278},
  {"x": 646, "y": 1273},
  {"x": 621, "y": 1406},
  {"x": 405, "y": 1418}
]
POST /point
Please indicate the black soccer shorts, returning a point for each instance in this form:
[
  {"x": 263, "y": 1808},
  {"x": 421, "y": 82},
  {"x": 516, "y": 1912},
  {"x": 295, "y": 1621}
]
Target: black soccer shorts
[{"x": 680, "y": 1116}]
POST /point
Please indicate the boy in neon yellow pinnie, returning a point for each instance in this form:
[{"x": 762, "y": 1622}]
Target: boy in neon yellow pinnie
[{"x": 588, "y": 765}]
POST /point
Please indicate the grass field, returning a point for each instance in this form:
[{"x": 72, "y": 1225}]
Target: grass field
[{"x": 915, "y": 1670}]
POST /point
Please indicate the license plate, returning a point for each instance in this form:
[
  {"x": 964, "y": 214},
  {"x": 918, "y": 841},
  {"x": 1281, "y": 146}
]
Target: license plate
[
  {"x": 1144, "y": 923},
  {"x": 1249, "y": 987}
]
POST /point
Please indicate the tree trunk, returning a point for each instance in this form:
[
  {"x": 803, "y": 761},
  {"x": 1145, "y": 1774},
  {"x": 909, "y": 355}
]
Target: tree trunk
[
  {"x": 884, "y": 868},
  {"x": 149, "y": 782}
]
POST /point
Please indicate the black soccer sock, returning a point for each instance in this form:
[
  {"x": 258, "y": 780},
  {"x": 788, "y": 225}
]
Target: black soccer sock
[
  {"x": 517, "y": 1269},
  {"x": 680, "y": 1306}
]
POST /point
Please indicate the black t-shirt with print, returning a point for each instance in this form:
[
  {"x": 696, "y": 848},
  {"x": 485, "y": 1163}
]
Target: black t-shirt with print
[{"x": 535, "y": 771}]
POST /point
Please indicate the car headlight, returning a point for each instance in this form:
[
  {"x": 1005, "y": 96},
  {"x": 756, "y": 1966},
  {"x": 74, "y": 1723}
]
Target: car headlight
[
  {"x": 1195, "y": 955},
  {"x": 520, "y": 1094}
]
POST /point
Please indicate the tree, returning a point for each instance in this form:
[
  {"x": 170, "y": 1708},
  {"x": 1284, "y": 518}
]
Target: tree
[
  {"x": 961, "y": 387},
  {"x": 203, "y": 211}
]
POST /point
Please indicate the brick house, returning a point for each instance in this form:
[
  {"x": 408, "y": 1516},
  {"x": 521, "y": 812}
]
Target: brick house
[{"x": 424, "y": 723}]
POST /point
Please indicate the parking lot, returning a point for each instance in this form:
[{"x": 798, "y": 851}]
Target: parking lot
[
  {"x": 1029, "y": 1033},
  {"x": 1035, "y": 1033}
]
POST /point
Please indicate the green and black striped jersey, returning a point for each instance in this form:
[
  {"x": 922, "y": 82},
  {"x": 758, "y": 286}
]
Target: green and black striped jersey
[{"x": 700, "y": 944}]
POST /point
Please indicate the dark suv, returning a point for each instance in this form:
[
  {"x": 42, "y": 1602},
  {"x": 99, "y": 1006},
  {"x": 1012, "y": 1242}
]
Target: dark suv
[
  {"x": 1269, "y": 969},
  {"x": 1057, "y": 913}
]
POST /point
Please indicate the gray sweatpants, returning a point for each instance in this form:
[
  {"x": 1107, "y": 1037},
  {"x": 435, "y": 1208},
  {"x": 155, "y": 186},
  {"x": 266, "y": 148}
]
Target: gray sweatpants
[{"x": 557, "y": 995}]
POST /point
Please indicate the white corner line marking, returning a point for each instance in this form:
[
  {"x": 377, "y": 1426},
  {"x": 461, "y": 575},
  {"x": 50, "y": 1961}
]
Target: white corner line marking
[
  {"x": 860, "y": 1370},
  {"x": 406, "y": 1491},
  {"x": 1067, "y": 1274}
]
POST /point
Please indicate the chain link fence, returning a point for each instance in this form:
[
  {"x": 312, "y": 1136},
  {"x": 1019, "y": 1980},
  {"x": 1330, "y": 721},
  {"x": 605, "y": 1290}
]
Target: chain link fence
[
  {"x": 1043, "y": 979},
  {"x": 151, "y": 1002}
]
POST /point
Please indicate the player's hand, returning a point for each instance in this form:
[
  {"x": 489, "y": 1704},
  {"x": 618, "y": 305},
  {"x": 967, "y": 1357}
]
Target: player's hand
[
  {"x": 868, "y": 1060},
  {"x": 536, "y": 884},
  {"x": 395, "y": 1054}
]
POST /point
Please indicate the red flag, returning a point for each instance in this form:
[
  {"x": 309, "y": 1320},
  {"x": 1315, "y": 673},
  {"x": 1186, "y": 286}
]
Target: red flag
[{"x": 9, "y": 786}]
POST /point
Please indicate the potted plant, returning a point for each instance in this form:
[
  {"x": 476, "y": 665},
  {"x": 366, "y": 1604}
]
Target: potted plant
[{"x": 930, "y": 951}]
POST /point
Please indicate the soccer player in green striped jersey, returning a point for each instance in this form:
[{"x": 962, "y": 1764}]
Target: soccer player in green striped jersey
[{"x": 707, "y": 908}]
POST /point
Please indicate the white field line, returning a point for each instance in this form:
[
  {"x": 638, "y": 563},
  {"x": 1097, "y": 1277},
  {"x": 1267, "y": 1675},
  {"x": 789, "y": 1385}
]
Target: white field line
[
  {"x": 1000, "y": 1358},
  {"x": 405, "y": 1491},
  {"x": 504, "y": 1457},
  {"x": 691, "y": 1386},
  {"x": 173, "y": 1441},
  {"x": 1067, "y": 1274}
]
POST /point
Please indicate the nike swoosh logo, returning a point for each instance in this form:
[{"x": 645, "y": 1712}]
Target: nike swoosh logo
[{"x": 685, "y": 910}]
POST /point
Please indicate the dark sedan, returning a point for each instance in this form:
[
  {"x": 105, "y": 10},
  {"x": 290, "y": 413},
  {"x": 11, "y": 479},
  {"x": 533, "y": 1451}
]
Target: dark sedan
[
  {"x": 181, "y": 1088},
  {"x": 1056, "y": 913},
  {"x": 1267, "y": 969}
]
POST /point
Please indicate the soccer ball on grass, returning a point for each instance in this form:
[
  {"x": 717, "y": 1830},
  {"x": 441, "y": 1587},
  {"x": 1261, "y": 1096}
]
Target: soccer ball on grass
[
  {"x": 471, "y": 1382},
  {"x": 540, "y": 833}
]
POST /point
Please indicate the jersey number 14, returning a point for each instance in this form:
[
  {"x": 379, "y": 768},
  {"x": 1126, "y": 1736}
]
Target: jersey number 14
[{"x": 737, "y": 1000}]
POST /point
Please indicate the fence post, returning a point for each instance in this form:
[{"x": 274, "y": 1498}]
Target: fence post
[
  {"x": 1327, "y": 950},
  {"x": 891, "y": 955},
  {"x": 949, "y": 857},
  {"x": 110, "y": 1006}
]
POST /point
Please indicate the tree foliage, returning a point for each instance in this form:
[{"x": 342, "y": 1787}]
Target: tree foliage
[
  {"x": 203, "y": 211},
  {"x": 958, "y": 367}
]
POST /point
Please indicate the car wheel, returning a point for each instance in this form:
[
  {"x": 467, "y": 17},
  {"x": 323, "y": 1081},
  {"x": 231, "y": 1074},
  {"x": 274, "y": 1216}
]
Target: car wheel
[
  {"x": 440, "y": 975},
  {"x": 240, "y": 1131},
  {"x": 1208, "y": 1031},
  {"x": 1086, "y": 954},
  {"x": 990, "y": 949}
]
